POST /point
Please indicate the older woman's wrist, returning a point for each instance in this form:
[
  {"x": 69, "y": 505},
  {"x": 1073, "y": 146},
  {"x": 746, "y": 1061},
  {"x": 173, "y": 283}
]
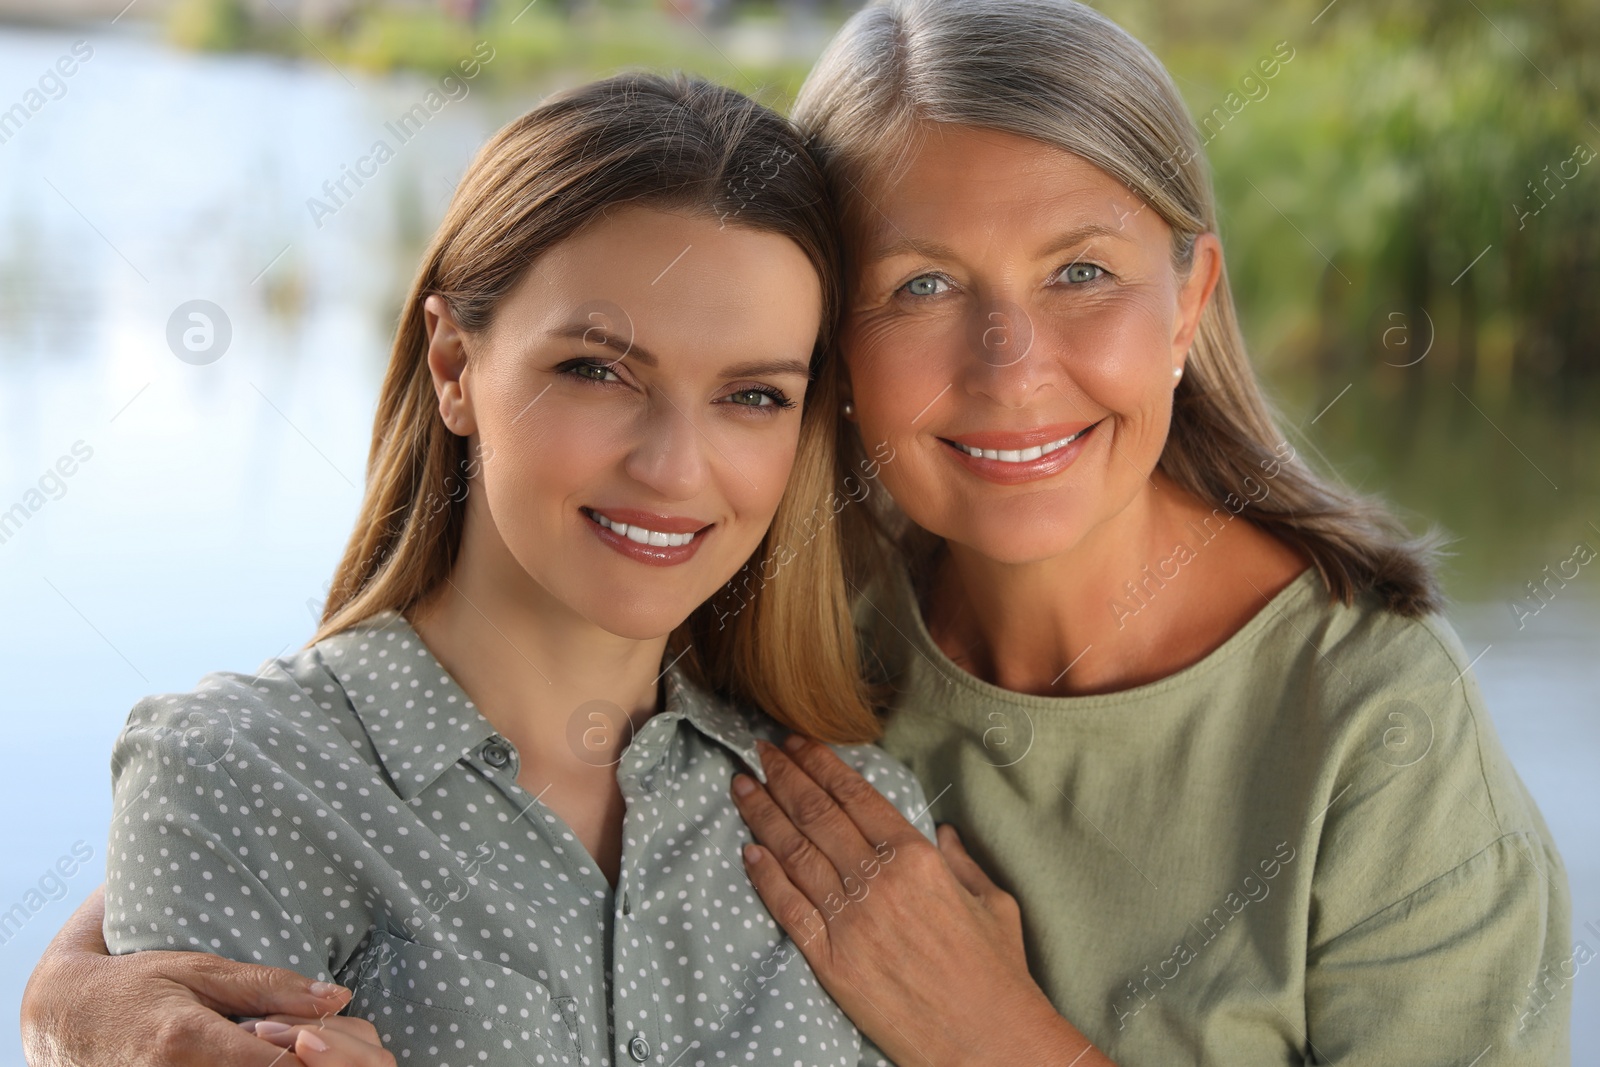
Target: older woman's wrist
[{"x": 1048, "y": 1040}]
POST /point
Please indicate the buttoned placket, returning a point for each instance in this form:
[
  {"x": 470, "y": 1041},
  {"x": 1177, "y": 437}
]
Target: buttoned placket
[
  {"x": 645, "y": 765},
  {"x": 641, "y": 774},
  {"x": 497, "y": 762}
]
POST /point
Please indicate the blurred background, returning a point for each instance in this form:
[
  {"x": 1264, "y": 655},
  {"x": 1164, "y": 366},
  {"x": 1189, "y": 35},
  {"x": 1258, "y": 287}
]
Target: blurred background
[{"x": 1410, "y": 207}]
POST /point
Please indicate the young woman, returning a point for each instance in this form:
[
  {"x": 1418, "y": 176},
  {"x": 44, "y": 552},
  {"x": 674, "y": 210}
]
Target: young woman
[
  {"x": 1189, "y": 702},
  {"x": 609, "y": 391}
]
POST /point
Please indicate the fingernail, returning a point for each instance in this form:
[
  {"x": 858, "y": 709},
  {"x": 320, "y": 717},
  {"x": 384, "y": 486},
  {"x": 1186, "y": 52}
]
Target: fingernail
[
  {"x": 325, "y": 989},
  {"x": 794, "y": 742},
  {"x": 248, "y": 1025},
  {"x": 753, "y": 854},
  {"x": 743, "y": 785},
  {"x": 266, "y": 1027},
  {"x": 312, "y": 1041}
]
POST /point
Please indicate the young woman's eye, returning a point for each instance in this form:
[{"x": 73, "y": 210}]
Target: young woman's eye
[
  {"x": 1079, "y": 273},
  {"x": 760, "y": 398},
  {"x": 591, "y": 371},
  {"x": 925, "y": 285}
]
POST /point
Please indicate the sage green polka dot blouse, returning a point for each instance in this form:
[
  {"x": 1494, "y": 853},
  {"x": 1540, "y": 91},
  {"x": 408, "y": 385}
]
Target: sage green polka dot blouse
[{"x": 349, "y": 814}]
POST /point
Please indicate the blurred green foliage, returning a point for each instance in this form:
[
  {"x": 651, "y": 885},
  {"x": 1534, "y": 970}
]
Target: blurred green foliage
[{"x": 1413, "y": 229}]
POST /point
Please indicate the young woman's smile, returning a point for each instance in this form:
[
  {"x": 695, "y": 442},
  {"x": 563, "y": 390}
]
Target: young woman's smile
[
  {"x": 639, "y": 457},
  {"x": 660, "y": 540}
]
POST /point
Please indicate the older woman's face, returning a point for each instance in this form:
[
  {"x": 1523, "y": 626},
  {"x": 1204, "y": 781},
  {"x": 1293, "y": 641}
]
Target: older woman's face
[{"x": 1014, "y": 326}]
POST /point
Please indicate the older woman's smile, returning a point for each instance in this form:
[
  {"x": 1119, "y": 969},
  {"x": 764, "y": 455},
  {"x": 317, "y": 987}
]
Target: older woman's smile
[{"x": 1020, "y": 456}]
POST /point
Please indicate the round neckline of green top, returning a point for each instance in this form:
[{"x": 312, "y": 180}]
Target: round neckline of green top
[{"x": 1303, "y": 585}]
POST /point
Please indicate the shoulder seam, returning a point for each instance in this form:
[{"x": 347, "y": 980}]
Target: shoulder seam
[
  {"x": 1325, "y": 945},
  {"x": 300, "y": 903},
  {"x": 1474, "y": 709}
]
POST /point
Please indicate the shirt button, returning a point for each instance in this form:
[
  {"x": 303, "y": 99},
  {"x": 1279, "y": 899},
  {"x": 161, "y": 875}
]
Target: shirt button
[
  {"x": 639, "y": 1048},
  {"x": 496, "y": 754}
]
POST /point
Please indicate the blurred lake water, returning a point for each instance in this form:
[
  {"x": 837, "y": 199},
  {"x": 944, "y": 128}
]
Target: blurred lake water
[{"x": 207, "y": 504}]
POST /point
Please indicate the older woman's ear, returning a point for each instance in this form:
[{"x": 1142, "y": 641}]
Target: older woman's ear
[
  {"x": 154, "y": 1009},
  {"x": 1205, "y": 270}
]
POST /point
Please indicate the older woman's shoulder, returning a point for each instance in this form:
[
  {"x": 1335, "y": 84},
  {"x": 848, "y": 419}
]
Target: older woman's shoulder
[{"x": 1413, "y": 780}]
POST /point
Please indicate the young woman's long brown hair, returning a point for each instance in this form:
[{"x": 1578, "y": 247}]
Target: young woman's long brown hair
[{"x": 779, "y": 635}]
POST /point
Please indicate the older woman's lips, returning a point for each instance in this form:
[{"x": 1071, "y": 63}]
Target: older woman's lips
[{"x": 1011, "y": 458}]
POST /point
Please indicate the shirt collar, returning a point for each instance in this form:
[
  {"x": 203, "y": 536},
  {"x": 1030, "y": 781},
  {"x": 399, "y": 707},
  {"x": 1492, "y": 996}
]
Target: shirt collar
[
  {"x": 717, "y": 718},
  {"x": 421, "y": 722},
  {"x": 419, "y": 719}
]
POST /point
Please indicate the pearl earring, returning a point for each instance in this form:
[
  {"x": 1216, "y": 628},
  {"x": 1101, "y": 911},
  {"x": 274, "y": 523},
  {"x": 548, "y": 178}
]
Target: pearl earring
[
  {"x": 849, "y": 408},
  {"x": 1177, "y": 372}
]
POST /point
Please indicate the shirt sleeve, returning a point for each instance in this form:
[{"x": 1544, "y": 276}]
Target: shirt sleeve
[
  {"x": 1440, "y": 921},
  {"x": 1472, "y": 967},
  {"x": 189, "y": 866}
]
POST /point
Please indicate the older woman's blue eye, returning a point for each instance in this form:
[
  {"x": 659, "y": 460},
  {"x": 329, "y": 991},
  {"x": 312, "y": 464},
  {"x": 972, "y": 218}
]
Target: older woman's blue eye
[
  {"x": 924, "y": 285},
  {"x": 1082, "y": 272}
]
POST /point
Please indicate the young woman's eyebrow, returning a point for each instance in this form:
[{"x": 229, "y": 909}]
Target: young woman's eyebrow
[
  {"x": 771, "y": 366},
  {"x": 595, "y": 335},
  {"x": 591, "y": 334}
]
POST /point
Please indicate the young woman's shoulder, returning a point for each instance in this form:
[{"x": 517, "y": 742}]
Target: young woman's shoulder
[
  {"x": 887, "y": 774},
  {"x": 290, "y": 710}
]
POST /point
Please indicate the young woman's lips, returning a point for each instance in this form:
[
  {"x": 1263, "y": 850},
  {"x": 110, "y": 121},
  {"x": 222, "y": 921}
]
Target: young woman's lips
[
  {"x": 647, "y": 537},
  {"x": 1013, "y": 458}
]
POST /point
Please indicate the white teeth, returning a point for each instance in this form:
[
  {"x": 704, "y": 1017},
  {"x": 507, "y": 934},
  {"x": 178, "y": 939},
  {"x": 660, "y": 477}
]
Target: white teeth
[
  {"x": 640, "y": 535},
  {"x": 1024, "y": 455}
]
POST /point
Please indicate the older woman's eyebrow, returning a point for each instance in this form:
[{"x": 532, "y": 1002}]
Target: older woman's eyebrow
[
  {"x": 903, "y": 245},
  {"x": 1077, "y": 236}
]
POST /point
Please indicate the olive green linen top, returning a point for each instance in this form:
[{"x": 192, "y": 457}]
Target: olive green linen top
[
  {"x": 348, "y": 813},
  {"x": 1308, "y": 847}
]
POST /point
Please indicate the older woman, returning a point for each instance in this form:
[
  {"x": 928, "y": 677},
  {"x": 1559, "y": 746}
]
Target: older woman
[{"x": 1189, "y": 703}]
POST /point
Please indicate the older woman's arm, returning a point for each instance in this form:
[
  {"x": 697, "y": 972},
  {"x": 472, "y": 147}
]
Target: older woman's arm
[
  {"x": 828, "y": 843},
  {"x": 169, "y": 1009}
]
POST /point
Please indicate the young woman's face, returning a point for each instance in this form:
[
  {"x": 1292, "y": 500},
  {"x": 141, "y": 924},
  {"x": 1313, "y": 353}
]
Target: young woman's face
[
  {"x": 1014, "y": 325},
  {"x": 638, "y": 399}
]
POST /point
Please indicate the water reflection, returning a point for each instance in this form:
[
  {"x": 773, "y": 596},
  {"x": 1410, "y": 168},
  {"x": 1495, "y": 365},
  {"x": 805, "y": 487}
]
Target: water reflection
[{"x": 216, "y": 498}]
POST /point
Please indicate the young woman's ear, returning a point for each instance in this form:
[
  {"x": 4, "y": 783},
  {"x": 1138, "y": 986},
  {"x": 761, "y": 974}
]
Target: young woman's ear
[{"x": 447, "y": 363}]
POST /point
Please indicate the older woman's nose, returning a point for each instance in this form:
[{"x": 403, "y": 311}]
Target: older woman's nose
[{"x": 1001, "y": 358}]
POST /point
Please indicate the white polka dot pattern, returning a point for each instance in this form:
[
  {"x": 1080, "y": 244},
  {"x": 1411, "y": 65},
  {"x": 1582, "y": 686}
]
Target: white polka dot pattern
[{"x": 350, "y": 814}]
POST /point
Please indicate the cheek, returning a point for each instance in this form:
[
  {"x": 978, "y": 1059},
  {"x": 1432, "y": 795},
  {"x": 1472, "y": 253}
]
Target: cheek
[
  {"x": 899, "y": 373},
  {"x": 764, "y": 459},
  {"x": 548, "y": 458},
  {"x": 1119, "y": 355}
]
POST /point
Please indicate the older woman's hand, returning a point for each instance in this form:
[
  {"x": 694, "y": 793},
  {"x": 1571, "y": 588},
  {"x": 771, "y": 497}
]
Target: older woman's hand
[
  {"x": 166, "y": 1009},
  {"x": 917, "y": 945}
]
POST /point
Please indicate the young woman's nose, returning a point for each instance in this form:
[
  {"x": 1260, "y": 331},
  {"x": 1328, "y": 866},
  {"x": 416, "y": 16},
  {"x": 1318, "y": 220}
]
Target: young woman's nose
[{"x": 670, "y": 456}]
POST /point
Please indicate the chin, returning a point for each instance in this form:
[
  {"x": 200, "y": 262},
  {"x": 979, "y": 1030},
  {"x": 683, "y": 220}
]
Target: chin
[
  {"x": 638, "y": 622},
  {"x": 1007, "y": 544}
]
